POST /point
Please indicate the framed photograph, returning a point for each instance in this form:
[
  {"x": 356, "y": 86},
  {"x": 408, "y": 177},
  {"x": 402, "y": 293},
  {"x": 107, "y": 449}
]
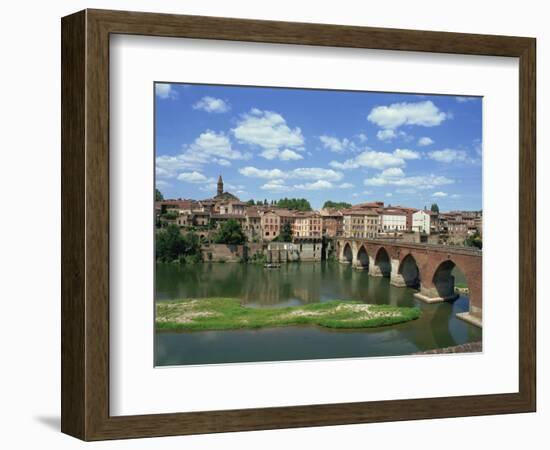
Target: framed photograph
[{"x": 266, "y": 224}]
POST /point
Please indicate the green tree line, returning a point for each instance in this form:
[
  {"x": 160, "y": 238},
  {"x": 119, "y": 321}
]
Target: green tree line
[
  {"x": 337, "y": 205},
  {"x": 170, "y": 246},
  {"x": 297, "y": 204}
]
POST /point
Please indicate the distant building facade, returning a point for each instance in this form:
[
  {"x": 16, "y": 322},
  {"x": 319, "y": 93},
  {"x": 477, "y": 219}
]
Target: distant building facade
[
  {"x": 393, "y": 220},
  {"x": 421, "y": 222},
  {"x": 264, "y": 223}
]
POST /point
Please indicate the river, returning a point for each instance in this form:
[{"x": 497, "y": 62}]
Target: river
[{"x": 297, "y": 284}]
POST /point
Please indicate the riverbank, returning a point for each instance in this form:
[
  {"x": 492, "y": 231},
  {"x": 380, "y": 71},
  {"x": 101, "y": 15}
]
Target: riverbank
[
  {"x": 469, "y": 347},
  {"x": 228, "y": 314}
]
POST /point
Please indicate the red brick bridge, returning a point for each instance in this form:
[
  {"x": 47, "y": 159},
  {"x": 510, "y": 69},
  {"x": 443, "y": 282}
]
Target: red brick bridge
[{"x": 422, "y": 266}]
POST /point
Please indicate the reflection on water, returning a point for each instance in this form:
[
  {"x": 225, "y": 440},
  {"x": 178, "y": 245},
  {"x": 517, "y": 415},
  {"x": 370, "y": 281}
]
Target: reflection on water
[{"x": 295, "y": 284}]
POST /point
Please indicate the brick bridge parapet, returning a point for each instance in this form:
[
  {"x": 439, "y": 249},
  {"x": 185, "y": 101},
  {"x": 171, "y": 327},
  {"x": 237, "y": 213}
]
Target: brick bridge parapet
[{"x": 427, "y": 267}]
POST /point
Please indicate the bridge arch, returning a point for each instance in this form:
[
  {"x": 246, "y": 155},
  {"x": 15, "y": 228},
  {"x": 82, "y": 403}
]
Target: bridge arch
[
  {"x": 409, "y": 271},
  {"x": 435, "y": 266},
  {"x": 362, "y": 258},
  {"x": 347, "y": 254},
  {"x": 443, "y": 280},
  {"x": 383, "y": 262}
]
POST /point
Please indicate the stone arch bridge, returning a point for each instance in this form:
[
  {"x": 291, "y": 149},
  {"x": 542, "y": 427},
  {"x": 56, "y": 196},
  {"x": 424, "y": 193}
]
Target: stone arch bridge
[{"x": 425, "y": 267}]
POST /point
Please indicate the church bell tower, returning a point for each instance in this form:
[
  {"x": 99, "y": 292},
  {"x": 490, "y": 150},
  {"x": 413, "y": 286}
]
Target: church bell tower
[{"x": 220, "y": 185}]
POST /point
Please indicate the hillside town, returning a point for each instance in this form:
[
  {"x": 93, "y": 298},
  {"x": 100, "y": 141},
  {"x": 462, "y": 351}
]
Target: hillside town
[{"x": 264, "y": 223}]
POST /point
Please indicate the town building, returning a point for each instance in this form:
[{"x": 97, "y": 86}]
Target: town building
[
  {"x": 421, "y": 222},
  {"x": 271, "y": 225},
  {"x": 393, "y": 220},
  {"x": 264, "y": 223},
  {"x": 372, "y": 223},
  {"x": 232, "y": 207},
  {"x": 307, "y": 224},
  {"x": 361, "y": 222},
  {"x": 332, "y": 222},
  {"x": 286, "y": 217},
  {"x": 479, "y": 225},
  {"x": 253, "y": 224}
]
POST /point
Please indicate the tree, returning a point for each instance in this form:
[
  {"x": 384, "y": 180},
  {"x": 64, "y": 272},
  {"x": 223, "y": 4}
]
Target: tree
[
  {"x": 230, "y": 233},
  {"x": 337, "y": 205},
  {"x": 434, "y": 208},
  {"x": 298, "y": 204},
  {"x": 191, "y": 244},
  {"x": 250, "y": 202},
  {"x": 158, "y": 195},
  {"x": 169, "y": 244},
  {"x": 170, "y": 215},
  {"x": 285, "y": 235},
  {"x": 474, "y": 241}
]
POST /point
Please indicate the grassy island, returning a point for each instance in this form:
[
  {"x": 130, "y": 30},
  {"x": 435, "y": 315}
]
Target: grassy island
[{"x": 229, "y": 314}]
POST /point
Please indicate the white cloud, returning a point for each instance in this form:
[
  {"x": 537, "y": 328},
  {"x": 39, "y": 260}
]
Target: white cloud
[
  {"x": 194, "y": 177},
  {"x": 303, "y": 173},
  {"x": 448, "y": 155},
  {"x": 477, "y": 147},
  {"x": 376, "y": 181},
  {"x": 362, "y": 137},
  {"x": 315, "y": 173},
  {"x": 421, "y": 113},
  {"x": 161, "y": 183},
  {"x": 439, "y": 194},
  {"x": 386, "y": 135},
  {"x": 272, "y": 153},
  {"x": 460, "y": 99},
  {"x": 212, "y": 105},
  {"x": 269, "y": 131},
  {"x": 215, "y": 144},
  {"x": 337, "y": 145},
  {"x": 348, "y": 164},
  {"x": 316, "y": 185},
  {"x": 345, "y": 186},
  {"x": 416, "y": 182},
  {"x": 165, "y": 91},
  {"x": 275, "y": 186},
  {"x": 262, "y": 173},
  {"x": 404, "y": 153},
  {"x": 389, "y": 194},
  {"x": 389, "y": 135},
  {"x": 166, "y": 166},
  {"x": 454, "y": 196},
  {"x": 370, "y": 159},
  {"x": 424, "y": 141},
  {"x": 209, "y": 147},
  {"x": 289, "y": 155},
  {"x": 209, "y": 187},
  {"x": 392, "y": 172}
]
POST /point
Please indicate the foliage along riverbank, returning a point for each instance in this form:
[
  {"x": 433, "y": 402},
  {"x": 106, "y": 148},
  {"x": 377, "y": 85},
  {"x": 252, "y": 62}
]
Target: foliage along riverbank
[{"x": 228, "y": 314}]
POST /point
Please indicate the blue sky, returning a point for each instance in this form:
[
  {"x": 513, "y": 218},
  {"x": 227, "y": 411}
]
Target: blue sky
[{"x": 269, "y": 143}]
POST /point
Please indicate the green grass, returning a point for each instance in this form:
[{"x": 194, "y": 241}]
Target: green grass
[{"x": 229, "y": 314}]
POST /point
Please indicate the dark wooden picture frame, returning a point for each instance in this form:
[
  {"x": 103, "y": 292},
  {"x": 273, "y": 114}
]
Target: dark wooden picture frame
[{"x": 85, "y": 224}]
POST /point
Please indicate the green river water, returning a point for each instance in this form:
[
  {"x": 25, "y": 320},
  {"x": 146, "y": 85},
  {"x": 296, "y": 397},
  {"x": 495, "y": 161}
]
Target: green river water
[{"x": 297, "y": 284}]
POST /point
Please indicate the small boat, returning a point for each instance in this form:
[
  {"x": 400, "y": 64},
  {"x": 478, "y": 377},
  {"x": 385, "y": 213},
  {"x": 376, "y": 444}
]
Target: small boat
[{"x": 272, "y": 266}]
